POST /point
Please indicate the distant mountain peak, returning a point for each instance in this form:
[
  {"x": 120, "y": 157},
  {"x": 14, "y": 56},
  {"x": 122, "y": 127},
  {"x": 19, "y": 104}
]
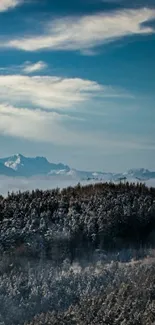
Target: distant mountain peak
[
  {"x": 13, "y": 162},
  {"x": 138, "y": 170},
  {"x": 139, "y": 173},
  {"x": 17, "y": 155},
  {"x": 31, "y": 166},
  {"x": 41, "y": 158}
]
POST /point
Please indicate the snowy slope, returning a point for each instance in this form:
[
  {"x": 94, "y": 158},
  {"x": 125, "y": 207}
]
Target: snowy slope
[{"x": 4, "y": 170}]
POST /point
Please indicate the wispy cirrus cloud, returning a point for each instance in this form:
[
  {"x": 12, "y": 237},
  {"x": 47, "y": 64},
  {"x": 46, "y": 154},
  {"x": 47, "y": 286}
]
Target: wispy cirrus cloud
[
  {"x": 50, "y": 92},
  {"x": 41, "y": 123},
  {"x": 34, "y": 67},
  {"x": 34, "y": 125},
  {"x": 9, "y": 4},
  {"x": 86, "y": 32},
  {"x": 52, "y": 127},
  {"x": 131, "y": 3},
  {"x": 25, "y": 68},
  {"x": 41, "y": 126}
]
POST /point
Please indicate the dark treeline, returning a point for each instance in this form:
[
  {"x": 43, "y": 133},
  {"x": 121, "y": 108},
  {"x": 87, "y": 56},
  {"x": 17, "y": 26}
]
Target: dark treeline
[
  {"x": 76, "y": 221},
  {"x": 80, "y": 256}
]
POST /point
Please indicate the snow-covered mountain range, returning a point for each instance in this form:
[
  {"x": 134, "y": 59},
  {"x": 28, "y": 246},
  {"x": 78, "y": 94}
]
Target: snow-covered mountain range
[
  {"x": 19, "y": 165},
  {"x": 25, "y": 166}
]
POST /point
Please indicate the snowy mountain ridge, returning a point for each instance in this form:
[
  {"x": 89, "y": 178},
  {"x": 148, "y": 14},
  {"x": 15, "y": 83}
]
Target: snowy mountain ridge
[
  {"x": 26, "y": 166},
  {"x": 19, "y": 165}
]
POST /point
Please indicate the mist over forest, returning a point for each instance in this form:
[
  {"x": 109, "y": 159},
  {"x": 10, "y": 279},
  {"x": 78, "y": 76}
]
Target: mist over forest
[{"x": 15, "y": 184}]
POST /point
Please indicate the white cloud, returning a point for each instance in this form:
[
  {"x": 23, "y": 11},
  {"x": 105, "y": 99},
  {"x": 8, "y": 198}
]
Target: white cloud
[
  {"x": 87, "y": 32},
  {"x": 8, "y": 4},
  {"x": 31, "y": 124},
  {"x": 26, "y": 68},
  {"x": 42, "y": 126},
  {"x": 34, "y": 67},
  {"x": 47, "y": 92},
  {"x": 51, "y": 127}
]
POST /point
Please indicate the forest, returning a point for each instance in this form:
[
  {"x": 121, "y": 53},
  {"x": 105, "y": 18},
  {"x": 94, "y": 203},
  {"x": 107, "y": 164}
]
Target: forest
[{"x": 81, "y": 255}]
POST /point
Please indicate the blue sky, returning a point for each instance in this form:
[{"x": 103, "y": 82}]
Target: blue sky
[{"x": 77, "y": 82}]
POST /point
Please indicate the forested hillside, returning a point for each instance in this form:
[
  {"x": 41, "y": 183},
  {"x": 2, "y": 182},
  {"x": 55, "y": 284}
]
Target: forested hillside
[{"x": 83, "y": 255}]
